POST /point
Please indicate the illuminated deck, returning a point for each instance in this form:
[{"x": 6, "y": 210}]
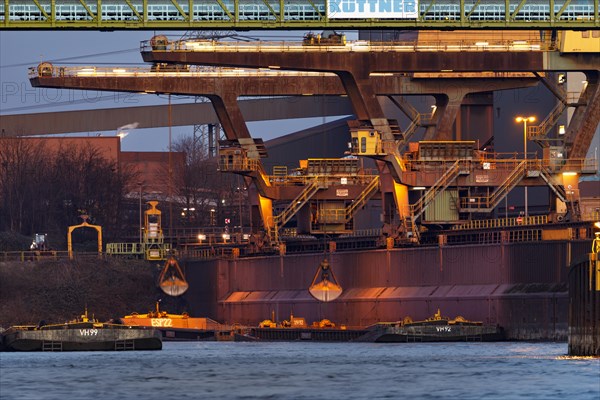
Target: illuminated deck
[
  {"x": 299, "y": 14},
  {"x": 360, "y": 46}
]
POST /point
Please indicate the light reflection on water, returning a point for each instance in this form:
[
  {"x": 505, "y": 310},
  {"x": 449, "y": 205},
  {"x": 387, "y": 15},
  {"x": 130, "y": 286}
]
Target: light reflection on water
[{"x": 305, "y": 370}]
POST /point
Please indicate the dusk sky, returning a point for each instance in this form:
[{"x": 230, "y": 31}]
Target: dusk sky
[{"x": 20, "y": 50}]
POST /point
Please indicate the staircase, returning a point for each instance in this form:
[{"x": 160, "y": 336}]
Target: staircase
[
  {"x": 584, "y": 121},
  {"x": 362, "y": 199},
  {"x": 295, "y": 205},
  {"x": 408, "y": 223},
  {"x": 558, "y": 189},
  {"x": 556, "y": 186},
  {"x": 440, "y": 185},
  {"x": 417, "y": 209},
  {"x": 487, "y": 204},
  {"x": 417, "y": 119},
  {"x": 539, "y": 133}
]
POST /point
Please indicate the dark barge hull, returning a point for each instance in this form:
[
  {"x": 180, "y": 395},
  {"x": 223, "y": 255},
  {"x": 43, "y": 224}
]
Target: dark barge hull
[
  {"x": 188, "y": 335},
  {"x": 74, "y": 340},
  {"x": 318, "y": 335},
  {"x": 198, "y": 335},
  {"x": 433, "y": 334}
]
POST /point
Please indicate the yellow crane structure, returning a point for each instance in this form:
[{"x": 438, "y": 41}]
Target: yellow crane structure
[{"x": 84, "y": 224}]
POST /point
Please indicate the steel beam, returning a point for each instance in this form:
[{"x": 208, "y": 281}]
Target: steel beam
[
  {"x": 109, "y": 119},
  {"x": 292, "y": 85},
  {"x": 447, "y": 107},
  {"x": 380, "y": 62},
  {"x": 224, "y": 90},
  {"x": 584, "y": 123},
  {"x": 293, "y": 14},
  {"x": 354, "y": 68}
]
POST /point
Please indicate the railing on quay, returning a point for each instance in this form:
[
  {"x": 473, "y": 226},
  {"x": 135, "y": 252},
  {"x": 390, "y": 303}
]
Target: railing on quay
[
  {"x": 502, "y": 222},
  {"x": 363, "y": 240},
  {"x": 575, "y": 231},
  {"x": 324, "y": 180},
  {"x": 506, "y": 162},
  {"x": 49, "y": 255}
]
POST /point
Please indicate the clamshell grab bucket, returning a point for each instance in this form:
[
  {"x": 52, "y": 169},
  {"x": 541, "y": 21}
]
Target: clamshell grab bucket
[
  {"x": 327, "y": 289},
  {"x": 171, "y": 280}
]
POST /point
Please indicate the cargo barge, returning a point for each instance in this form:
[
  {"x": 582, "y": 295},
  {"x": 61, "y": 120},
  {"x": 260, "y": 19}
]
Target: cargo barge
[
  {"x": 438, "y": 329},
  {"x": 307, "y": 334},
  {"x": 80, "y": 335},
  {"x": 295, "y": 328},
  {"x": 178, "y": 327}
]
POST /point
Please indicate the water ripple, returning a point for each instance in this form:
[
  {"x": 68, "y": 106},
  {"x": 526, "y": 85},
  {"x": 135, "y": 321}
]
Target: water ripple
[{"x": 305, "y": 370}]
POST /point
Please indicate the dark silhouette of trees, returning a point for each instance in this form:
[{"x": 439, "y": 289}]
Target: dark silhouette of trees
[
  {"x": 45, "y": 190},
  {"x": 203, "y": 187}
]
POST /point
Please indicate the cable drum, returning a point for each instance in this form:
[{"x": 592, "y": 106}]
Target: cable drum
[
  {"x": 45, "y": 69},
  {"x": 159, "y": 42}
]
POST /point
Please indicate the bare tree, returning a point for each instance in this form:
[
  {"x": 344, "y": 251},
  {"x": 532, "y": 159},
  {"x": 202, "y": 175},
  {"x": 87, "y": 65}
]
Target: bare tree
[
  {"x": 22, "y": 173},
  {"x": 203, "y": 187},
  {"x": 47, "y": 191}
]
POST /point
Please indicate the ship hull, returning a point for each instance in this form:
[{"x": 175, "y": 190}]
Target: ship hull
[
  {"x": 179, "y": 329},
  {"x": 438, "y": 333},
  {"x": 81, "y": 339},
  {"x": 521, "y": 287},
  {"x": 296, "y": 334}
]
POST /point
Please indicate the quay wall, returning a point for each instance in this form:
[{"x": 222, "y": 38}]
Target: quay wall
[
  {"x": 520, "y": 286},
  {"x": 584, "y": 306}
]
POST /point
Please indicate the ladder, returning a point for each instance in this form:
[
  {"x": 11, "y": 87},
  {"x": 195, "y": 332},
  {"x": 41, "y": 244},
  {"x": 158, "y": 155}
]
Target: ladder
[{"x": 409, "y": 225}]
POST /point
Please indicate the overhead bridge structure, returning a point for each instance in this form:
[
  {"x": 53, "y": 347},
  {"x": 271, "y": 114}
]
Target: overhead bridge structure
[
  {"x": 224, "y": 87},
  {"x": 299, "y": 14},
  {"x": 363, "y": 70},
  {"x": 358, "y": 63}
]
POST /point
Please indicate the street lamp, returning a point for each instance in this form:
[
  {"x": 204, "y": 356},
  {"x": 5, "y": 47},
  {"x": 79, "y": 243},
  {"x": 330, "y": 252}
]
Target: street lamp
[
  {"x": 524, "y": 120},
  {"x": 140, "y": 204}
]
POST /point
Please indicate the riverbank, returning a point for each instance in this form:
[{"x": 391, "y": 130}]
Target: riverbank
[{"x": 59, "y": 290}]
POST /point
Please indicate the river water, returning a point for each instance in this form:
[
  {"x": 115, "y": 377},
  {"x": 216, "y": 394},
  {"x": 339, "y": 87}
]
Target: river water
[{"x": 305, "y": 370}]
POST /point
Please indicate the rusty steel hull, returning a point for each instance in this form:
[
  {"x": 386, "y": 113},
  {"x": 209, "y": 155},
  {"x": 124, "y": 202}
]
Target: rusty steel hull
[
  {"x": 521, "y": 287},
  {"x": 584, "y": 300}
]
